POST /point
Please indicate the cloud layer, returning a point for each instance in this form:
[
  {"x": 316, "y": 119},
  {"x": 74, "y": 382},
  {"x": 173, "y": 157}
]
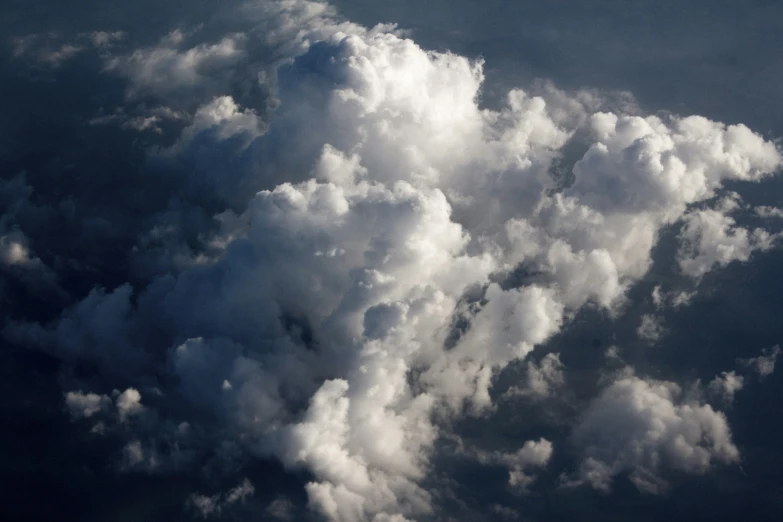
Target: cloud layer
[{"x": 351, "y": 249}]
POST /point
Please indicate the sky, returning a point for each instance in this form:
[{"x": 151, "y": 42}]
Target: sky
[{"x": 397, "y": 261}]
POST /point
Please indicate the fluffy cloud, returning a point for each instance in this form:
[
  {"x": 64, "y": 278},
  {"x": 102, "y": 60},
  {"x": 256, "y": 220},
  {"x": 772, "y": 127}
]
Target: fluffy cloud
[
  {"x": 85, "y": 405},
  {"x": 534, "y": 454},
  {"x": 711, "y": 238},
  {"x": 362, "y": 276},
  {"x": 642, "y": 427}
]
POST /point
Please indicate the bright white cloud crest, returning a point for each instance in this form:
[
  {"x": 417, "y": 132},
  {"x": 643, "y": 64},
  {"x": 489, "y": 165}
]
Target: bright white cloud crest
[{"x": 321, "y": 328}]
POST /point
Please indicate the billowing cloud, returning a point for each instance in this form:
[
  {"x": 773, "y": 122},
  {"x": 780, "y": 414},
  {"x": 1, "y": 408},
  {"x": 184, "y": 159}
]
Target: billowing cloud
[{"x": 382, "y": 248}]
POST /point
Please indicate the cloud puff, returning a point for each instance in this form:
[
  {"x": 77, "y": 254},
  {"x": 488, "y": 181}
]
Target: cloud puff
[
  {"x": 726, "y": 385},
  {"x": 764, "y": 364},
  {"x": 711, "y": 238},
  {"x": 643, "y": 427},
  {"x": 86, "y": 404},
  {"x": 534, "y": 454}
]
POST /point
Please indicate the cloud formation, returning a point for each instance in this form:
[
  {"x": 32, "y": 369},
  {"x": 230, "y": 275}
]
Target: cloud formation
[
  {"x": 642, "y": 427},
  {"x": 379, "y": 248}
]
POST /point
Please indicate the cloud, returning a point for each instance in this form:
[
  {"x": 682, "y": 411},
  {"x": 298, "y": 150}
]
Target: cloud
[
  {"x": 674, "y": 299},
  {"x": 129, "y": 404},
  {"x": 769, "y": 212},
  {"x": 650, "y": 329},
  {"x": 711, "y": 238},
  {"x": 281, "y": 509},
  {"x": 86, "y": 405},
  {"x": 643, "y": 427},
  {"x": 52, "y": 50},
  {"x": 105, "y": 38},
  {"x": 534, "y": 454},
  {"x": 543, "y": 379},
  {"x": 46, "y": 49},
  {"x": 215, "y": 505},
  {"x": 726, "y": 385},
  {"x": 383, "y": 247},
  {"x": 165, "y": 69},
  {"x": 764, "y": 364}
]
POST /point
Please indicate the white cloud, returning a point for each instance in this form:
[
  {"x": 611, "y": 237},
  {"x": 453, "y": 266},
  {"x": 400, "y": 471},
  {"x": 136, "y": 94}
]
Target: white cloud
[
  {"x": 128, "y": 404},
  {"x": 642, "y": 427},
  {"x": 711, "y": 238},
  {"x": 764, "y": 364},
  {"x": 673, "y": 298},
  {"x": 380, "y": 193},
  {"x": 86, "y": 405},
  {"x": 541, "y": 380},
  {"x": 726, "y": 385},
  {"x": 165, "y": 69},
  {"x": 769, "y": 212},
  {"x": 533, "y": 455}
]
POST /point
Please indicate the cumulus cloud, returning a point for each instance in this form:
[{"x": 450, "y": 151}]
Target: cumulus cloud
[
  {"x": 711, "y": 238},
  {"x": 643, "y": 427},
  {"x": 362, "y": 276}
]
